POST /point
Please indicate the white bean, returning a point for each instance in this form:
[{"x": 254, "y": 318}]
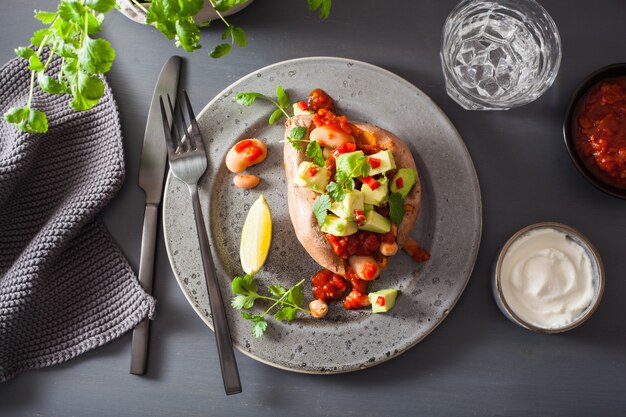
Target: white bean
[
  {"x": 328, "y": 136},
  {"x": 246, "y": 181},
  {"x": 388, "y": 249},
  {"x": 236, "y": 161},
  {"x": 361, "y": 264}
]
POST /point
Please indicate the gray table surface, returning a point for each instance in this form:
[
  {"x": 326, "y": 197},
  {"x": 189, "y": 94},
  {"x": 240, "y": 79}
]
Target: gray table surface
[{"x": 476, "y": 362}]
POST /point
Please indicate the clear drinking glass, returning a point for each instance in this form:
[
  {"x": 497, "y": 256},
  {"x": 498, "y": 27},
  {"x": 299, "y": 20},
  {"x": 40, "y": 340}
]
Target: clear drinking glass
[{"x": 499, "y": 54}]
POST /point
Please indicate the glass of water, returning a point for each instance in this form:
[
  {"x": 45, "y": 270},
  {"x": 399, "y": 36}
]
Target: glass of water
[{"x": 499, "y": 54}]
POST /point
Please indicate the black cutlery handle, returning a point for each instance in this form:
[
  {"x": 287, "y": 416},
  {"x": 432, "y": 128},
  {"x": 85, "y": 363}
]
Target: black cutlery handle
[
  {"x": 228, "y": 363},
  {"x": 139, "y": 347}
]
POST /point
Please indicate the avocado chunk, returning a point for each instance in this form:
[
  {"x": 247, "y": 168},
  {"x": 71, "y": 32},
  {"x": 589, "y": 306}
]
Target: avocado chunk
[
  {"x": 336, "y": 226},
  {"x": 383, "y": 300},
  {"x": 347, "y": 162},
  {"x": 387, "y": 162},
  {"x": 377, "y": 196},
  {"x": 375, "y": 222},
  {"x": 311, "y": 176},
  {"x": 298, "y": 111},
  {"x": 353, "y": 200},
  {"x": 403, "y": 181}
]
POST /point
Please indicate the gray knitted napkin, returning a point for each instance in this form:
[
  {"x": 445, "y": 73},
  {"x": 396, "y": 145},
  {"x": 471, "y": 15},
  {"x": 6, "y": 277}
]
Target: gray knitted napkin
[{"x": 65, "y": 288}]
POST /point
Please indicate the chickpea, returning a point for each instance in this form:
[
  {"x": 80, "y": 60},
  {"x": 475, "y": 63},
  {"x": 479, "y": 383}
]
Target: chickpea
[
  {"x": 246, "y": 181},
  {"x": 318, "y": 308},
  {"x": 327, "y": 136},
  {"x": 388, "y": 249},
  {"x": 244, "y": 154}
]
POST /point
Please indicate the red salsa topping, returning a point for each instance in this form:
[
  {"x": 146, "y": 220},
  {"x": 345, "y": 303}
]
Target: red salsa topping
[
  {"x": 371, "y": 182},
  {"x": 360, "y": 243},
  {"x": 249, "y": 149},
  {"x": 374, "y": 162},
  {"x": 303, "y": 106},
  {"x": 380, "y": 301},
  {"x": 600, "y": 130},
  {"x": 319, "y": 99},
  {"x": 399, "y": 183},
  {"x": 325, "y": 117},
  {"x": 311, "y": 170},
  {"x": 327, "y": 285},
  {"x": 344, "y": 148}
]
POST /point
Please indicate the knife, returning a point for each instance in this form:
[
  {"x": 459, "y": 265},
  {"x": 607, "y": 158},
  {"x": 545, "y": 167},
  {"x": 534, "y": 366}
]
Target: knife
[{"x": 151, "y": 175}]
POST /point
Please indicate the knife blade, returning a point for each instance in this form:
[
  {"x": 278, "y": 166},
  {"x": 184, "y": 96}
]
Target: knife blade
[{"x": 151, "y": 176}]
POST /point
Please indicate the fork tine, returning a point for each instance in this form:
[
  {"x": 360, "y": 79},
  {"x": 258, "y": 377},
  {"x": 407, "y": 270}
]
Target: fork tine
[
  {"x": 187, "y": 137},
  {"x": 178, "y": 143},
  {"x": 194, "y": 124},
  {"x": 166, "y": 128}
]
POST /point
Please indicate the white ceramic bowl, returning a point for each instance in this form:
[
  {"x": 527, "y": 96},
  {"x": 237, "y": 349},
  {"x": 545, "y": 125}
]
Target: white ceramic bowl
[
  {"x": 596, "y": 265},
  {"x": 130, "y": 9}
]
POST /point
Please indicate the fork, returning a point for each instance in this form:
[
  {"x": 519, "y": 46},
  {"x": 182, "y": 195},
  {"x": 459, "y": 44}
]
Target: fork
[{"x": 188, "y": 162}]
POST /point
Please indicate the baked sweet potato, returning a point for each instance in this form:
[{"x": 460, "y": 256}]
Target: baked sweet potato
[{"x": 301, "y": 199}]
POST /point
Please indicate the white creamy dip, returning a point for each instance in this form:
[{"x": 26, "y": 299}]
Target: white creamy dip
[{"x": 546, "y": 278}]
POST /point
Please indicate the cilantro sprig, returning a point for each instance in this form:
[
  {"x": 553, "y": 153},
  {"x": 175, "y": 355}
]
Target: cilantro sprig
[
  {"x": 344, "y": 179},
  {"x": 285, "y": 302},
  {"x": 321, "y": 205},
  {"x": 313, "y": 149},
  {"x": 282, "y": 102},
  {"x": 68, "y": 32}
]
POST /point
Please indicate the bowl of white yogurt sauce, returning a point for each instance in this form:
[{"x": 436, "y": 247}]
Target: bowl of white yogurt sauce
[{"x": 548, "y": 278}]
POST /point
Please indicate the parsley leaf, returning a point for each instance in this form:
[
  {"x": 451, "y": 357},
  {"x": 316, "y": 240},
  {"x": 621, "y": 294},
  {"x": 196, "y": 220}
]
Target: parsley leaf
[
  {"x": 260, "y": 325},
  {"x": 396, "y": 207},
  {"x": 320, "y": 208},
  {"x": 298, "y": 132},
  {"x": 335, "y": 191},
  {"x": 282, "y": 102},
  {"x": 221, "y": 50},
  {"x": 282, "y": 96},
  {"x": 246, "y": 99},
  {"x": 287, "y": 303},
  {"x": 27, "y": 119},
  {"x": 276, "y": 115},
  {"x": 187, "y": 34},
  {"x": 286, "y": 313},
  {"x": 297, "y": 135},
  {"x": 322, "y": 5},
  {"x": 314, "y": 151},
  {"x": 45, "y": 17},
  {"x": 245, "y": 285},
  {"x": 296, "y": 295},
  {"x": 277, "y": 290},
  {"x": 101, "y": 6},
  {"x": 95, "y": 56},
  {"x": 50, "y": 84}
]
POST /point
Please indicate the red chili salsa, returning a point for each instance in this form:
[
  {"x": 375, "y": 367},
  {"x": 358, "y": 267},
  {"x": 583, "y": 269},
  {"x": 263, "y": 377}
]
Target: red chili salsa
[{"x": 600, "y": 130}]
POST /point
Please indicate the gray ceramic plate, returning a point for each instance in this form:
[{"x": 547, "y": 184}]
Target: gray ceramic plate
[{"x": 449, "y": 225}]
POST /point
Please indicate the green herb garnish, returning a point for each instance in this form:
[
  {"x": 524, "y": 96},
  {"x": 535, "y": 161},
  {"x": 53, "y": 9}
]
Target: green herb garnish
[
  {"x": 396, "y": 207},
  {"x": 285, "y": 302},
  {"x": 320, "y": 208},
  {"x": 296, "y": 135},
  {"x": 323, "y": 7},
  {"x": 314, "y": 151},
  {"x": 282, "y": 102}
]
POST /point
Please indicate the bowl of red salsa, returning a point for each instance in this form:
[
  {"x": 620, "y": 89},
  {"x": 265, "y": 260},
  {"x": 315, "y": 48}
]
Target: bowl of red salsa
[{"x": 595, "y": 129}]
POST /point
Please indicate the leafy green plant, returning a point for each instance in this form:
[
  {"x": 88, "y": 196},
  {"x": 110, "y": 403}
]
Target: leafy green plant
[
  {"x": 69, "y": 33},
  {"x": 285, "y": 302}
]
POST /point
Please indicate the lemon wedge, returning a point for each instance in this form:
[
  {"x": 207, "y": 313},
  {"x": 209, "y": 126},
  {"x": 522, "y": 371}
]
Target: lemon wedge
[{"x": 256, "y": 237}]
